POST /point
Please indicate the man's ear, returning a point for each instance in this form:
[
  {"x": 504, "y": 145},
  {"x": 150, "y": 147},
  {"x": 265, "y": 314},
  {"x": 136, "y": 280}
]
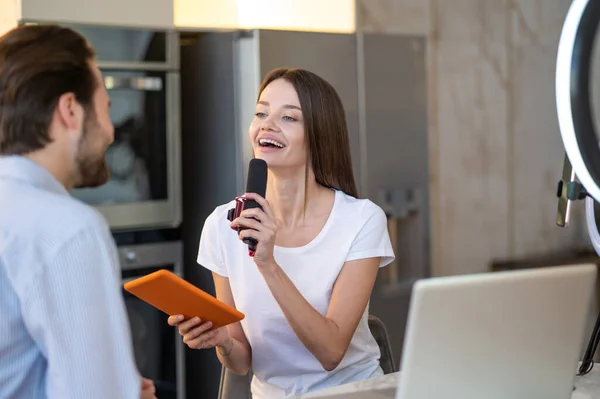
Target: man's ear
[{"x": 69, "y": 112}]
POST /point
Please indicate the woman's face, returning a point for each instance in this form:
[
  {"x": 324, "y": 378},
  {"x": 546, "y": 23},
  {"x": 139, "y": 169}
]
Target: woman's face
[{"x": 277, "y": 130}]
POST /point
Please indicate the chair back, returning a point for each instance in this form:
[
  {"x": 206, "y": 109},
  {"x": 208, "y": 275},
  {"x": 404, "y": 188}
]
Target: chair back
[
  {"x": 235, "y": 386},
  {"x": 380, "y": 334}
]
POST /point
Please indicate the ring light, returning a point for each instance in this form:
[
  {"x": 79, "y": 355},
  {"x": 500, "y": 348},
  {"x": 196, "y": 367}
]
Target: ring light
[
  {"x": 573, "y": 101},
  {"x": 573, "y": 106}
]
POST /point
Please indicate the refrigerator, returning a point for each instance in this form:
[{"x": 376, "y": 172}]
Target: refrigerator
[{"x": 381, "y": 80}]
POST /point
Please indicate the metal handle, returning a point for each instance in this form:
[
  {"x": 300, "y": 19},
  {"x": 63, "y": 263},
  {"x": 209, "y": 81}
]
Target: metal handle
[
  {"x": 130, "y": 256},
  {"x": 133, "y": 83},
  {"x": 564, "y": 205}
]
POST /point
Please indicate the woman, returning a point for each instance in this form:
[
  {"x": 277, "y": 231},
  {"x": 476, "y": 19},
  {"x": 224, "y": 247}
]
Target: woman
[{"x": 305, "y": 292}]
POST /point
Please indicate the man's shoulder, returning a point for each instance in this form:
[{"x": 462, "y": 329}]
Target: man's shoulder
[
  {"x": 33, "y": 239},
  {"x": 46, "y": 220},
  {"x": 25, "y": 202},
  {"x": 80, "y": 214},
  {"x": 65, "y": 213}
]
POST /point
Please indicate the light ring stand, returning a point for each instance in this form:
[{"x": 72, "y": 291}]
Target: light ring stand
[{"x": 574, "y": 110}]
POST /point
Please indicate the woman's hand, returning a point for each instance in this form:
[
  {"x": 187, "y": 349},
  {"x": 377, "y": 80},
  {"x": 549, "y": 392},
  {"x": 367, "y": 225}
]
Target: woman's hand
[
  {"x": 261, "y": 225},
  {"x": 196, "y": 334},
  {"x": 148, "y": 389}
]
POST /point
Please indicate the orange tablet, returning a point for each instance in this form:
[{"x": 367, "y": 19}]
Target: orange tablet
[{"x": 173, "y": 295}]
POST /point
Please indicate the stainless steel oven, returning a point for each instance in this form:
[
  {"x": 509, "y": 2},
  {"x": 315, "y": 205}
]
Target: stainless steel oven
[
  {"x": 141, "y": 73},
  {"x": 158, "y": 348}
]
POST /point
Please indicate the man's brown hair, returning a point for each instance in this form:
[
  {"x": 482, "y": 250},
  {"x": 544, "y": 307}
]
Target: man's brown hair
[{"x": 38, "y": 64}]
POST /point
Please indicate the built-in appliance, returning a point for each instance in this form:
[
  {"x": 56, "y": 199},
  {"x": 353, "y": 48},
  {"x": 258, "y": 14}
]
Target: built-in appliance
[
  {"x": 158, "y": 348},
  {"x": 140, "y": 68}
]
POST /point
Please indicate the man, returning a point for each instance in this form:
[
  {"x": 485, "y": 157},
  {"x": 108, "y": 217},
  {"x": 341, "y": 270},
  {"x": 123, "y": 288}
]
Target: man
[{"x": 64, "y": 332}]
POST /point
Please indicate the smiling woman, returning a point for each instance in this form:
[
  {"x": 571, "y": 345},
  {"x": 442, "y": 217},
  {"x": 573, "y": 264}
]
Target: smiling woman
[
  {"x": 308, "y": 111},
  {"x": 305, "y": 292}
]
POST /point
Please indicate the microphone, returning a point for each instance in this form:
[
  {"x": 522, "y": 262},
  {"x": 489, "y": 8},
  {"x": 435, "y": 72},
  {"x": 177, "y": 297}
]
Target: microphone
[{"x": 256, "y": 183}]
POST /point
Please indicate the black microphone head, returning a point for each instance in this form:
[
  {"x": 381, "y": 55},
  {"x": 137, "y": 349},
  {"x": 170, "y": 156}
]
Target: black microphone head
[{"x": 257, "y": 180}]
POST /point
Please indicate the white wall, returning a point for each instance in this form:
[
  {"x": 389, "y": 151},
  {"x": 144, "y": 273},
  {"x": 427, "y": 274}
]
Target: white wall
[
  {"x": 10, "y": 12},
  {"x": 496, "y": 153}
]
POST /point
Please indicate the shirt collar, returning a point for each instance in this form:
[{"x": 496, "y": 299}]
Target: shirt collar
[{"x": 16, "y": 167}]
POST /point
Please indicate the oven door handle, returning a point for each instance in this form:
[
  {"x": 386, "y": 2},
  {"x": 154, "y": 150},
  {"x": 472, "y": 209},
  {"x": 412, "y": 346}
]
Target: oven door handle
[{"x": 133, "y": 83}]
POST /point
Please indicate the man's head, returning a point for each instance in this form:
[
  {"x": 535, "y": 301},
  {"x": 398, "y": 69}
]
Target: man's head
[{"x": 54, "y": 107}]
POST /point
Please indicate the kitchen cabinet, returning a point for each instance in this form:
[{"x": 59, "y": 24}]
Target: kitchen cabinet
[{"x": 156, "y": 14}]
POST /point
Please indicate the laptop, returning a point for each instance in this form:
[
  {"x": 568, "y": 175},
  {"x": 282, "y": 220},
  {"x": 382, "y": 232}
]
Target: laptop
[{"x": 514, "y": 334}]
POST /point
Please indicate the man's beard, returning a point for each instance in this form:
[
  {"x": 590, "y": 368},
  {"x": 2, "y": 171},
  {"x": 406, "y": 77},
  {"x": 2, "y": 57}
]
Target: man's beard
[{"x": 92, "y": 169}]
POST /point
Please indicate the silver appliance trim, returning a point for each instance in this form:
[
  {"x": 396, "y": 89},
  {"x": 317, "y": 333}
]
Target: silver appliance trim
[
  {"x": 247, "y": 84},
  {"x": 173, "y": 49},
  {"x": 362, "y": 115},
  {"x": 141, "y": 215},
  {"x": 157, "y": 213},
  {"x": 133, "y": 83},
  {"x": 171, "y": 45},
  {"x": 136, "y": 66},
  {"x": 145, "y": 256},
  {"x": 174, "y": 146}
]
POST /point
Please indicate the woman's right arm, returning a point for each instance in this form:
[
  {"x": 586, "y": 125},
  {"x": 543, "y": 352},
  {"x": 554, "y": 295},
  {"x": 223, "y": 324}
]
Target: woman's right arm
[
  {"x": 235, "y": 353},
  {"x": 233, "y": 349}
]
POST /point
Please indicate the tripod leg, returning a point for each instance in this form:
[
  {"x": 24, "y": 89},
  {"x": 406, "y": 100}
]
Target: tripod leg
[{"x": 587, "y": 363}]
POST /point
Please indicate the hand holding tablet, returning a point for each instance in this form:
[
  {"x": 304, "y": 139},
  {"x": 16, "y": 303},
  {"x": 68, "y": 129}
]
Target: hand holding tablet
[
  {"x": 175, "y": 296},
  {"x": 198, "y": 334}
]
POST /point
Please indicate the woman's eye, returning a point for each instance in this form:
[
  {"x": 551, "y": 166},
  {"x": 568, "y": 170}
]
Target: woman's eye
[
  {"x": 289, "y": 118},
  {"x": 259, "y": 115}
]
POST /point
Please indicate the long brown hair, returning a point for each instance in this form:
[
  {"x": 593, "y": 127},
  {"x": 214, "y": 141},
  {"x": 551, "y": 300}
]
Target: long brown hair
[{"x": 324, "y": 126}]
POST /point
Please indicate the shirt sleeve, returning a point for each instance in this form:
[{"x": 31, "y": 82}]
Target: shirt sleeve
[
  {"x": 373, "y": 239},
  {"x": 75, "y": 312},
  {"x": 210, "y": 253}
]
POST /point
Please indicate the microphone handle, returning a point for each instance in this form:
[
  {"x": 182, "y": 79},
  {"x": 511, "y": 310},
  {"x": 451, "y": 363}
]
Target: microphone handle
[{"x": 251, "y": 242}]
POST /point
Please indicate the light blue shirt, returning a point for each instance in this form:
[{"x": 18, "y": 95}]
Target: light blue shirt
[{"x": 64, "y": 331}]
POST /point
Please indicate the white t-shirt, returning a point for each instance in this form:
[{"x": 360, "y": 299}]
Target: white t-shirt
[{"x": 355, "y": 229}]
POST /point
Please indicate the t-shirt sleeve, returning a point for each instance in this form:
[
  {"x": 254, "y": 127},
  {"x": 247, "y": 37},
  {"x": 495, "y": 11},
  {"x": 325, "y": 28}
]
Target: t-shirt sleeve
[
  {"x": 373, "y": 239},
  {"x": 210, "y": 252}
]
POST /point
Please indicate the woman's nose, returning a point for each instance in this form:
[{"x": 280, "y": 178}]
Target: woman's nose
[{"x": 268, "y": 124}]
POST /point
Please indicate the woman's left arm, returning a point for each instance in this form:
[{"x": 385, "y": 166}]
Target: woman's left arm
[{"x": 326, "y": 337}]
